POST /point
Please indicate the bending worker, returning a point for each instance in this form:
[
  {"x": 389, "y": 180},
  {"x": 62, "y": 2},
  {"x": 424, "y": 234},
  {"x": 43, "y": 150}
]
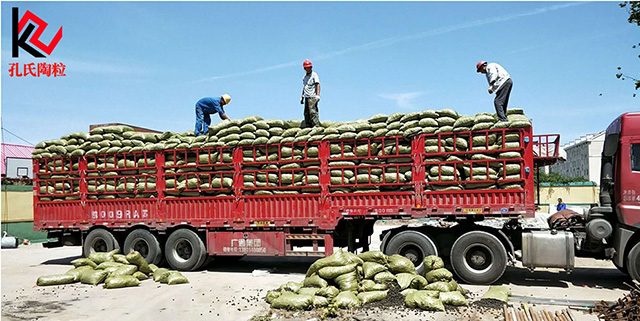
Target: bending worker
[
  {"x": 207, "y": 106},
  {"x": 310, "y": 96},
  {"x": 500, "y": 83}
]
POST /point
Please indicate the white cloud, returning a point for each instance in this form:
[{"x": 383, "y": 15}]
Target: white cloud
[
  {"x": 403, "y": 100},
  {"x": 397, "y": 39}
]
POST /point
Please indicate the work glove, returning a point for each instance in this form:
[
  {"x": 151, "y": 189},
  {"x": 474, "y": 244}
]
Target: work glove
[{"x": 301, "y": 100}]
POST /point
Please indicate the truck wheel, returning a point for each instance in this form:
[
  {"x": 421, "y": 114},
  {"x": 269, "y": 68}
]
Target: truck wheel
[
  {"x": 184, "y": 250},
  {"x": 478, "y": 257},
  {"x": 99, "y": 240},
  {"x": 145, "y": 243},
  {"x": 621, "y": 268},
  {"x": 633, "y": 262},
  {"x": 413, "y": 245}
]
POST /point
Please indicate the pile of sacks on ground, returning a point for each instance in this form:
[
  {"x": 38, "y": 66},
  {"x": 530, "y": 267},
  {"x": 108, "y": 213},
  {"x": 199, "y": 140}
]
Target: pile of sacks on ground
[
  {"x": 292, "y": 168},
  {"x": 114, "y": 270},
  {"x": 345, "y": 281}
]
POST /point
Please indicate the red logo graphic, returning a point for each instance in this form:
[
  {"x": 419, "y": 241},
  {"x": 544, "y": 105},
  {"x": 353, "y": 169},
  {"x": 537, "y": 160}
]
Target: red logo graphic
[{"x": 21, "y": 35}]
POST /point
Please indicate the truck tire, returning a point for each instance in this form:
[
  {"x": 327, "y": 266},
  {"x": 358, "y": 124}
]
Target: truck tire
[
  {"x": 184, "y": 250},
  {"x": 413, "y": 245},
  {"x": 478, "y": 257},
  {"x": 145, "y": 243},
  {"x": 633, "y": 262},
  {"x": 99, "y": 240}
]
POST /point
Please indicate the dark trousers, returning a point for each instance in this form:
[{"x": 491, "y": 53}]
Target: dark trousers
[
  {"x": 502, "y": 100},
  {"x": 311, "y": 115}
]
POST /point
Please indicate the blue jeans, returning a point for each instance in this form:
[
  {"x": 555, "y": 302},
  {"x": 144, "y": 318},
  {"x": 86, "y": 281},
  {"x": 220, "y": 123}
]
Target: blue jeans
[{"x": 203, "y": 120}]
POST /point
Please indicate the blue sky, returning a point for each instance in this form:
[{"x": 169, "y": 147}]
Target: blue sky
[{"x": 147, "y": 63}]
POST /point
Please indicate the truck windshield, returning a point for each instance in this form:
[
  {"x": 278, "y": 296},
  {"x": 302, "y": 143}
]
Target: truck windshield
[{"x": 635, "y": 157}]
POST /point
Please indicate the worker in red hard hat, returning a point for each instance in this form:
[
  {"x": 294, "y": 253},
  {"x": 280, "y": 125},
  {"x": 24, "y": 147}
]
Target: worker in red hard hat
[
  {"x": 310, "y": 96},
  {"x": 207, "y": 106},
  {"x": 500, "y": 83}
]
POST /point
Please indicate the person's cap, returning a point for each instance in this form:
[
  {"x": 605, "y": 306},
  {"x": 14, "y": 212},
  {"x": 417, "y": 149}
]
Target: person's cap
[
  {"x": 480, "y": 64},
  {"x": 307, "y": 63},
  {"x": 226, "y": 98}
]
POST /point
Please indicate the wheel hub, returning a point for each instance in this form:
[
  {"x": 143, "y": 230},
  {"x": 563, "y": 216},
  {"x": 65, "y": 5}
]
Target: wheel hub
[
  {"x": 141, "y": 246},
  {"x": 478, "y": 257},
  {"x": 99, "y": 245},
  {"x": 183, "y": 250},
  {"x": 412, "y": 253}
]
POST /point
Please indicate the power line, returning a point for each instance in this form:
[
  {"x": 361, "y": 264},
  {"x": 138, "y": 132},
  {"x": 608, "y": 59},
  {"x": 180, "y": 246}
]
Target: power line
[{"x": 24, "y": 140}]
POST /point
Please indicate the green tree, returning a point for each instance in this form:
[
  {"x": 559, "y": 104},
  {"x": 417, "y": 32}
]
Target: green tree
[
  {"x": 555, "y": 178},
  {"x": 633, "y": 8}
]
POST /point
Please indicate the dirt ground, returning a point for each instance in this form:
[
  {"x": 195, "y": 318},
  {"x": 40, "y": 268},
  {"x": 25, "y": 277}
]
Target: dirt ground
[{"x": 230, "y": 291}]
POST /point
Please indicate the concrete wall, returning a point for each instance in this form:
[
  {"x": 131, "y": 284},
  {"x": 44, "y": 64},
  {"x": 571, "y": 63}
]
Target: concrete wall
[
  {"x": 17, "y": 204},
  {"x": 17, "y": 213},
  {"x": 577, "y": 197}
]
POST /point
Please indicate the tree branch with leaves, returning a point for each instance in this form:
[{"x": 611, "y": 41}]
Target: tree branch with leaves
[{"x": 633, "y": 8}]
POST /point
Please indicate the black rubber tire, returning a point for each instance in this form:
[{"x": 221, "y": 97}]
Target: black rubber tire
[
  {"x": 633, "y": 262},
  {"x": 414, "y": 245},
  {"x": 99, "y": 240},
  {"x": 621, "y": 268},
  {"x": 144, "y": 242},
  {"x": 184, "y": 250},
  {"x": 478, "y": 245}
]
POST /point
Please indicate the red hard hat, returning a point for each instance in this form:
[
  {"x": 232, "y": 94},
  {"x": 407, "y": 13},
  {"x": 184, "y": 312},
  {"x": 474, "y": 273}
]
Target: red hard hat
[
  {"x": 479, "y": 64},
  {"x": 307, "y": 63}
]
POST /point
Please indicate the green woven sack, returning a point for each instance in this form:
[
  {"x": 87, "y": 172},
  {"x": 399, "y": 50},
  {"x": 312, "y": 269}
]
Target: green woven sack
[
  {"x": 121, "y": 281},
  {"x": 394, "y": 117},
  {"x": 400, "y": 264},
  {"x": 444, "y": 129},
  {"x": 519, "y": 124},
  {"x": 418, "y": 283},
  {"x": 448, "y": 113},
  {"x": 261, "y": 124},
  {"x": 464, "y": 121},
  {"x": 500, "y": 293},
  {"x": 429, "y": 114},
  {"x": 328, "y": 292},
  {"x": 410, "y": 117},
  {"x": 483, "y": 118},
  {"x": 370, "y": 269},
  {"x": 404, "y": 279},
  {"x": 440, "y": 274},
  {"x": 348, "y": 281},
  {"x": 374, "y": 256},
  {"x": 509, "y": 155},
  {"x": 423, "y": 300},
  {"x": 315, "y": 281},
  {"x": 372, "y": 296},
  {"x": 57, "y": 279},
  {"x": 292, "y": 301},
  {"x": 378, "y": 118},
  {"x": 346, "y": 300},
  {"x": 454, "y": 298},
  {"x": 482, "y": 126},
  {"x": 428, "y": 122}
]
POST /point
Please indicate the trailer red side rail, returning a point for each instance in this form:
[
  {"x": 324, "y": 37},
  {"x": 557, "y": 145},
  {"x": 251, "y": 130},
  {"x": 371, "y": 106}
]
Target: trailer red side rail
[{"x": 220, "y": 193}]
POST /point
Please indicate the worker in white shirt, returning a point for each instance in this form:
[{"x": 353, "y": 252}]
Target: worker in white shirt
[
  {"x": 499, "y": 83},
  {"x": 310, "y": 95}
]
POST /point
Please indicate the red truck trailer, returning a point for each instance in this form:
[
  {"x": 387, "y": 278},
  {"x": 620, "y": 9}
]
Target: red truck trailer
[{"x": 226, "y": 212}]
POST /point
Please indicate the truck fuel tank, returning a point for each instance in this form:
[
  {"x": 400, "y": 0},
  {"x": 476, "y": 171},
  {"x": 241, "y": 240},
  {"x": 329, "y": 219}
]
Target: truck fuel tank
[{"x": 549, "y": 248}]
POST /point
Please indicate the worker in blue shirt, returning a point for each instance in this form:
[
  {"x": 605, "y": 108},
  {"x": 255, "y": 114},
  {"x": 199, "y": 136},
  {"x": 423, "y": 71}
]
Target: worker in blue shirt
[
  {"x": 207, "y": 106},
  {"x": 561, "y": 206}
]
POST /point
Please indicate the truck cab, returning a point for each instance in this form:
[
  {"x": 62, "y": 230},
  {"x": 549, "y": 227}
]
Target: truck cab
[{"x": 615, "y": 224}]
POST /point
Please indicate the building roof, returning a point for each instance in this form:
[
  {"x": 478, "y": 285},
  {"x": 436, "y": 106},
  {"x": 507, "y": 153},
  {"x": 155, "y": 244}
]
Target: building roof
[
  {"x": 14, "y": 151},
  {"x": 583, "y": 139}
]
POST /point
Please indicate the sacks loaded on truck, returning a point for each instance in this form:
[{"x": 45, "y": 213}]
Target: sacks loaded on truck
[{"x": 266, "y": 187}]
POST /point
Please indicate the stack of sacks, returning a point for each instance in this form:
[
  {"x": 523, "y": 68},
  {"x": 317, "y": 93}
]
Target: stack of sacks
[
  {"x": 114, "y": 270},
  {"x": 381, "y": 142},
  {"x": 345, "y": 281}
]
